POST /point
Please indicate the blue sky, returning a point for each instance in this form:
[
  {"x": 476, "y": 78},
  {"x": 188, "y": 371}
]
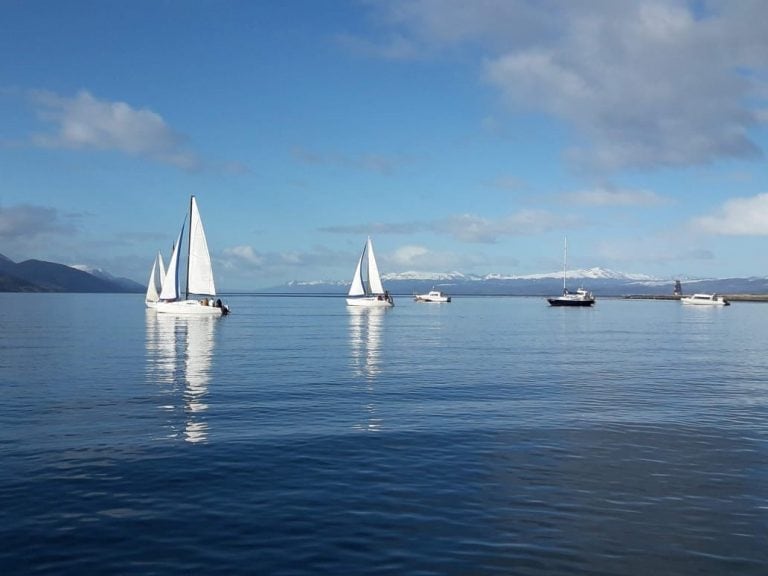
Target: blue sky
[{"x": 462, "y": 136}]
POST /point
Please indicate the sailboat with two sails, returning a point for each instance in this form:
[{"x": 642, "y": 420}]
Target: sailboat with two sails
[
  {"x": 366, "y": 289},
  {"x": 200, "y": 290}
]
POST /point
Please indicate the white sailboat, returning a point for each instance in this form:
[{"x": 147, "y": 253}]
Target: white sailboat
[
  {"x": 199, "y": 275},
  {"x": 366, "y": 289},
  {"x": 153, "y": 294}
]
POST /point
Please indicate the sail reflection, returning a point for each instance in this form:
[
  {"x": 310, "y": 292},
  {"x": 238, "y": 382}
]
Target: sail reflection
[
  {"x": 365, "y": 326},
  {"x": 365, "y": 339},
  {"x": 179, "y": 354}
]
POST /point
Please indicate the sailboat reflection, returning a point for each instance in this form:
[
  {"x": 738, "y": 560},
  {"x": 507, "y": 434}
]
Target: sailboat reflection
[
  {"x": 179, "y": 354},
  {"x": 365, "y": 326}
]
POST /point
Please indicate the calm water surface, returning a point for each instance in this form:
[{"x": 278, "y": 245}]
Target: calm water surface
[{"x": 297, "y": 436}]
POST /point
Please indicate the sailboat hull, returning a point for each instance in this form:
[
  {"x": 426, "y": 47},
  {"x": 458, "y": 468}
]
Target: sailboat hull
[
  {"x": 569, "y": 302},
  {"x": 192, "y": 308},
  {"x": 370, "y": 302}
]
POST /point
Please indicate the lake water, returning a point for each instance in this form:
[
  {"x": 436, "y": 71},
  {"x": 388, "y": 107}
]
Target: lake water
[{"x": 298, "y": 436}]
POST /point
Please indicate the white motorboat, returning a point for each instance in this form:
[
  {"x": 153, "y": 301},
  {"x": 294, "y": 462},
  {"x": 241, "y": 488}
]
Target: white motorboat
[
  {"x": 366, "y": 289},
  {"x": 579, "y": 298},
  {"x": 432, "y": 296},
  {"x": 705, "y": 300},
  {"x": 199, "y": 275}
]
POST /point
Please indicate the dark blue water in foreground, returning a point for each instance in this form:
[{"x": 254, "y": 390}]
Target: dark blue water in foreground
[{"x": 297, "y": 436}]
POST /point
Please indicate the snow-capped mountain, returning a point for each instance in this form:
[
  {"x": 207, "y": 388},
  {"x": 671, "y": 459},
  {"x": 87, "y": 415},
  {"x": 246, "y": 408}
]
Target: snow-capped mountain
[
  {"x": 591, "y": 273},
  {"x": 601, "y": 281}
]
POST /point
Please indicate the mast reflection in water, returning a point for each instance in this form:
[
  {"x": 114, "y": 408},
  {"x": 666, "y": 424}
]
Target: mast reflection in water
[{"x": 179, "y": 353}]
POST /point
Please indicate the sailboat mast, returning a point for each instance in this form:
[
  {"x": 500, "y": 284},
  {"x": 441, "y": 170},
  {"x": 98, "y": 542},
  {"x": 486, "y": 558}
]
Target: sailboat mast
[
  {"x": 189, "y": 247},
  {"x": 565, "y": 260}
]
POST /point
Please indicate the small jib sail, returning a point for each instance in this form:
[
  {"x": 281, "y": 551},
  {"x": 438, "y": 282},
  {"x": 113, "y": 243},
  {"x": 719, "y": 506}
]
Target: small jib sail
[
  {"x": 152, "y": 294},
  {"x": 157, "y": 274},
  {"x": 170, "y": 290}
]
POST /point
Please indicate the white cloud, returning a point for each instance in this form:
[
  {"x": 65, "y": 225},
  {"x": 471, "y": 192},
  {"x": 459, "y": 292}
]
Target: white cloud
[
  {"x": 470, "y": 228},
  {"x": 84, "y": 122},
  {"x": 408, "y": 256},
  {"x": 475, "y": 229},
  {"x": 654, "y": 250},
  {"x": 645, "y": 84},
  {"x": 737, "y": 217},
  {"x": 425, "y": 260},
  {"x": 243, "y": 254}
]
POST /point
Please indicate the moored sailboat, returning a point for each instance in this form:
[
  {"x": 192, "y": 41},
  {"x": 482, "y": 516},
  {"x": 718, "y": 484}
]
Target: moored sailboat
[
  {"x": 199, "y": 275},
  {"x": 580, "y": 298},
  {"x": 366, "y": 288}
]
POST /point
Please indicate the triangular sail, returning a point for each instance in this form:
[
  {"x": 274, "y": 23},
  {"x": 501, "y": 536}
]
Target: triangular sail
[
  {"x": 200, "y": 270},
  {"x": 170, "y": 289},
  {"x": 161, "y": 267},
  {"x": 374, "y": 280},
  {"x": 152, "y": 295},
  {"x": 357, "y": 288}
]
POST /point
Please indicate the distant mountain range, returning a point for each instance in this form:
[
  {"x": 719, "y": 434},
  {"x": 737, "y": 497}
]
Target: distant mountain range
[
  {"x": 42, "y": 276},
  {"x": 600, "y": 281}
]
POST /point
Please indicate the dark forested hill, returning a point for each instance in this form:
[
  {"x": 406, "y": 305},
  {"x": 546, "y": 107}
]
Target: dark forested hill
[{"x": 42, "y": 276}]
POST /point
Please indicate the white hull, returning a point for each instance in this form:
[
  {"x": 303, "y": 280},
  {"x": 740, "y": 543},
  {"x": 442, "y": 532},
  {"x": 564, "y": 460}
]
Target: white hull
[
  {"x": 433, "y": 296},
  {"x": 191, "y": 308},
  {"x": 370, "y": 302},
  {"x": 150, "y": 304}
]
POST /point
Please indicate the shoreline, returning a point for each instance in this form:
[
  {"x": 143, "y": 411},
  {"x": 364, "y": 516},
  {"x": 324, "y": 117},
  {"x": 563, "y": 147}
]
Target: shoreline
[{"x": 729, "y": 297}]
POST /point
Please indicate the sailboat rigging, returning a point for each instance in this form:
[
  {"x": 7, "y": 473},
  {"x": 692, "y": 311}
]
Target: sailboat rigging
[
  {"x": 580, "y": 298},
  {"x": 199, "y": 274}
]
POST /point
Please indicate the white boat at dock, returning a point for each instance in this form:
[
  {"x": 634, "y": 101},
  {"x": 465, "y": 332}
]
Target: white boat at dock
[{"x": 705, "y": 300}]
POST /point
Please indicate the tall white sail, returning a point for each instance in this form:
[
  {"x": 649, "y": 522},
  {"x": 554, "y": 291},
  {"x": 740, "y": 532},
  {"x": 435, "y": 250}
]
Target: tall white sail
[
  {"x": 152, "y": 295},
  {"x": 200, "y": 271},
  {"x": 161, "y": 267},
  {"x": 170, "y": 289},
  {"x": 357, "y": 288},
  {"x": 374, "y": 280}
]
